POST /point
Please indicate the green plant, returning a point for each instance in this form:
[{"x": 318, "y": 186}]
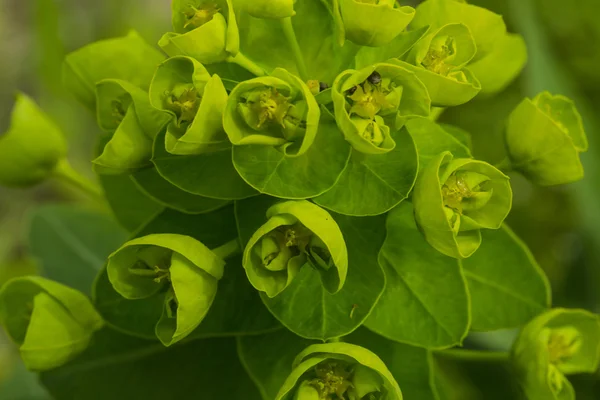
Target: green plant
[{"x": 298, "y": 224}]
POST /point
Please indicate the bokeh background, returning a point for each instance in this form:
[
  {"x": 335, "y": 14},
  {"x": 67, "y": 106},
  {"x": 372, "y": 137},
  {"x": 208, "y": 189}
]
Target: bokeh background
[{"x": 561, "y": 225}]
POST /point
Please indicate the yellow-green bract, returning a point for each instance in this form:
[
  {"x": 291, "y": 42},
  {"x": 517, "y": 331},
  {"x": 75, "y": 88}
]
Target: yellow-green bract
[
  {"x": 273, "y": 9},
  {"x": 557, "y": 343},
  {"x": 125, "y": 111},
  {"x": 439, "y": 60},
  {"x": 544, "y": 138},
  {"x": 374, "y": 101},
  {"x": 373, "y": 22},
  {"x": 278, "y": 110},
  {"x": 454, "y": 199},
  {"x": 338, "y": 370},
  {"x": 195, "y": 101},
  {"x": 500, "y": 55},
  {"x": 51, "y": 323},
  {"x": 296, "y": 233},
  {"x": 180, "y": 266},
  {"x": 204, "y": 29},
  {"x": 32, "y": 148}
]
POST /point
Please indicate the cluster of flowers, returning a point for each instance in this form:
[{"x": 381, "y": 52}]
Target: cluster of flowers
[{"x": 323, "y": 112}]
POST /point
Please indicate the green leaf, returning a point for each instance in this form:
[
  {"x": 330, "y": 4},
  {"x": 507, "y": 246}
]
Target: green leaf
[
  {"x": 373, "y": 184},
  {"x": 367, "y": 369},
  {"x": 269, "y": 171},
  {"x": 499, "y": 68},
  {"x": 455, "y": 199},
  {"x": 412, "y": 367},
  {"x": 72, "y": 244},
  {"x": 461, "y": 135},
  {"x": 374, "y": 24},
  {"x": 128, "y": 58},
  {"x": 237, "y": 308},
  {"x": 209, "y": 175},
  {"x": 268, "y": 8},
  {"x": 432, "y": 139},
  {"x": 265, "y": 43},
  {"x": 50, "y": 323},
  {"x": 32, "y": 148},
  {"x": 557, "y": 343},
  {"x": 397, "y": 48},
  {"x": 268, "y": 359},
  {"x": 194, "y": 100},
  {"x": 205, "y": 31},
  {"x": 503, "y": 271},
  {"x": 201, "y": 368},
  {"x": 544, "y": 138},
  {"x": 330, "y": 315},
  {"x": 425, "y": 302},
  {"x": 161, "y": 191}
]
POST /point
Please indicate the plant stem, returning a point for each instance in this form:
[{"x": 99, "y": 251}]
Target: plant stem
[
  {"x": 474, "y": 355},
  {"x": 436, "y": 113},
  {"x": 290, "y": 35},
  {"x": 229, "y": 249},
  {"x": 67, "y": 174},
  {"x": 247, "y": 64}
]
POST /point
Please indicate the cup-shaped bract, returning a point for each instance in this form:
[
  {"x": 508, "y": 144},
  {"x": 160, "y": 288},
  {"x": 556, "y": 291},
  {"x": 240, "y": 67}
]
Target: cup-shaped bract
[
  {"x": 439, "y": 61},
  {"x": 271, "y": 9},
  {"x": 296, "y": 233},
  {"x": 32, "y": 148},
  {"x": 455, "y": 198},
  {"x": 278, "y": 110},
  {"x": 373, "y": 23},
  {"x": 125, "y": 111},
  {"x": 195, "y": 100},
  {"x": 557, "y": 343},
  {"x": 50, "y": 323},
  {"x": 178, "y": 266},
  {"x": 375, "y": 101},
  {"x": 204, "y": 29},
  {"x": 544, "y": 138},
  {"x": 339, "y": 371}
]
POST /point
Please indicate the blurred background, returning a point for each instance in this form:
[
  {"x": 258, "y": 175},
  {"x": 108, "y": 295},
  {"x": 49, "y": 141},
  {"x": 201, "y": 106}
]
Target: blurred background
[{"x": 561, "y": 225}]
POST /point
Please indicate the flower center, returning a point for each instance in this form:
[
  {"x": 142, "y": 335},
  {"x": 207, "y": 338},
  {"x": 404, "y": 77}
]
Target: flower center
[
  {"x": 563, "y": 344},
  {"x": 196, "y": 17},
  {"x": 441, "y": 50},
  {"x": 369, "y": 97},
  {"x": 454, "y": 191},
  {"x": 184, "y": 103},
  {"x": 265, "y": 106},
  {"x": 332, "y": 379}
]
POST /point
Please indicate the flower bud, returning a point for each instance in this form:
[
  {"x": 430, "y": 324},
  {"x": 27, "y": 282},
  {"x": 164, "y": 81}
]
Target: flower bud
[
  {"x": 32, "y": 148},
  {"x": 205, "y": 30},
  {"x": 374, "y": 101},
  {"x": 557, "y": 343},
  {"x": 273, "y": 9},
  {"x": 51, "y": 323},
  {"x": 339, "y": 371},
  {"x": 544, "y": 138},
  {"x": 454, "y": 199},
  {"x": 195, "y": 101},
  {"x": 179, "y": 268},
  {"x": 374, "y": 23},
  {"x": 125, "y": 111},
  {"x": 279, "y": 110},
  {"x": 296, "y": 233}
]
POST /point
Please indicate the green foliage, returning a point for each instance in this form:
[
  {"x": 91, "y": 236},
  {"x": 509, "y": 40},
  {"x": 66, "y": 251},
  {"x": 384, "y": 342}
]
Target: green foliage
[{"x": 285, "y": 190}]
